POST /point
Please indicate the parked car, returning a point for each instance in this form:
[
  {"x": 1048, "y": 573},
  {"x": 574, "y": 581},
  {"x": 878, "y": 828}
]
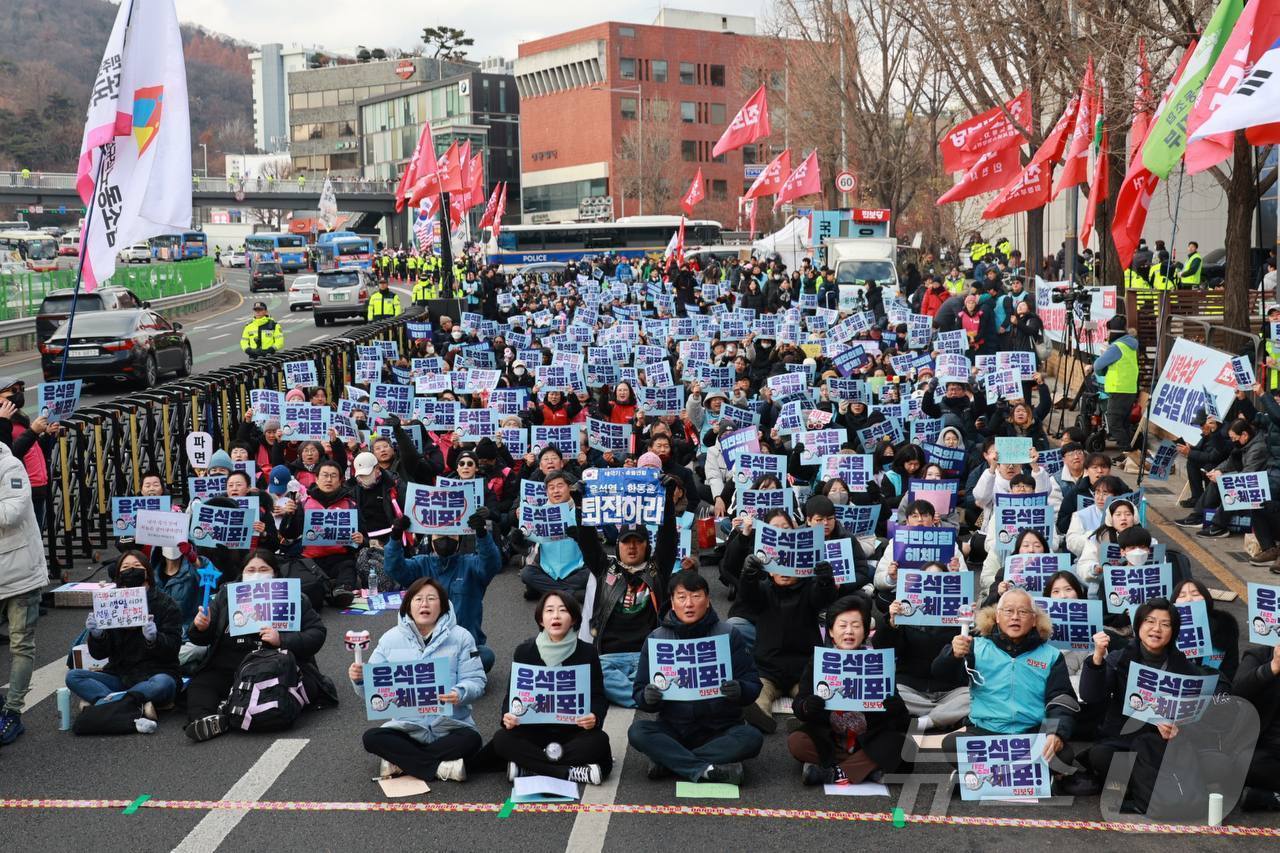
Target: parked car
[
  {"x": 138, "y": 253},
  {"x": 134, "y": 345},
  {"x": 69, "y": 245},
  {"x": 340, "y": 294},
  {"x": 233, "y": 258},
  {"x": 266, "y": 275},
  {"x": 301, "y": 291},
  {"x": 57, "y": 305}
]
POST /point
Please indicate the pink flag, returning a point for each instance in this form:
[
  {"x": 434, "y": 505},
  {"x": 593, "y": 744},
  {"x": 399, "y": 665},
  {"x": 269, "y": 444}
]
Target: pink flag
[
  {"x": 694, "y": 194},
  {"x": 1223, "y": 77},
  {"x": 771, "y": 179},
  {"x": 750, "y": 124},
  {"x": 802, "y": 182},
  {"x": 500, "y": 211}
]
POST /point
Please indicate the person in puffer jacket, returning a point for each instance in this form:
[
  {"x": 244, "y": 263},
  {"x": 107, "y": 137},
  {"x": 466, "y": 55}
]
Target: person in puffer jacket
[
  {"x": 433, "y": 746},
  {"x": 338, "y": 562}
]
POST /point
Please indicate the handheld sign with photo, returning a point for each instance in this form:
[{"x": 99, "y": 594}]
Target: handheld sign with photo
[
  {"x": 220, "y": 525},
  {"x": 124, "y": 511},
  {"x": 854, "y": 679},
  {"x": 300, "y": 373},
  {"x": 858, "y": 520},
  {"x": 1264, "y": 614},
  {"x": 329, "y": 526},
  {"x": 1074, "y": 620},
  {"x": 787, "y": 551},
  {"x": 1158, "y": 696},
  {"x": 1016, "y": 513},
  {"x": 935, "y": 598},
  {"x": 1002, "y": 766},
  {"x": 273, "y": 603},
  {"x": 58, "y": 400},
  {"x": 1242, "y": 366},
  {"x": 199, "y": 449},
  {"x": 623, "y": 496},
  {"x": 549, "y": 694},
  {"x": 567, "y": 439},
  {"x": 120, "y": 608},
  {"x": 608, "y": 437},
  {"x": 267, "y": 405},
  {"x": 1125, "y": 586},
  {"x": 759, "y": 503},
  {"x": 1032, "y": 571},
  {"x": 690, "y": 670},
  {"x": 305, "y": 422},
  {"x": 408, "y": 690},
  {"x": 436, "y": 510},
  {"x": 546, "y": 522},
  {"x": 1193, "y": 638},
  {"x": 1244, "y": 491},
  {"x": 1161, "y": 461}
]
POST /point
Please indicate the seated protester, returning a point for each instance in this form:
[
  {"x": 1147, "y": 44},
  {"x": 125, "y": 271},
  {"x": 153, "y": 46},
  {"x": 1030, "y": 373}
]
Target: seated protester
[
  {"x": 820, "y": 511},
  {"x": 175, "y": 572},
  {"x": 402, "y": 458},
  {"x": 209, "y": 687},
  {"x": 1250, "y": 451},
  {"x": 338, "y": 562},
  {"x": 1209, "y": 452},
  {"x": 670, "y": 451},
  {"x": 937, "y": 703},
  {"x": 788, "y": 613},
  {"x": 307, "y": 466},
  {"x": 631, "y": 594},
  {"x": 264, "y": 527},
  {"x": 581, "y": 750},
  {"x": 435, "y": 746},
  {"x": 932, "y": 471},
  {"x": 152, "y": 486},
  {"x": 1027, "y": 542},
  {"x": 1224, "y": 631},
  {"x": 267, "y": 448},
  {"x": 1072, "y": 467},
  {"x": 705, "y": 740},
  {"x": 976, "y": 549},
  {"x": 958, "y": 408},
  {"x": 1012, "y": 637},
  {"x": 907, "y": 463},
  {"x": 1096, "y": 466},
  {"x": 465, "y": 576},
  {"x": 142, "y": 661},
  {"x": 1104, "y": 681},
  {"x": 556, "y": 565},
  {"x": 846, "y": 747},
  {"x": 1118, "y": 517},
  {"x": 554, "y": 409},
  {"x": 377, "y": 494},
  {"x": 919, "y": 514},
  {"x": 1020, "y": 419},
  {"x": 1258, "y": 682},
  {"x": 618, "y": 407},
  {"x": 738, "y": 548},
  {"x": 220, "y": 464}
]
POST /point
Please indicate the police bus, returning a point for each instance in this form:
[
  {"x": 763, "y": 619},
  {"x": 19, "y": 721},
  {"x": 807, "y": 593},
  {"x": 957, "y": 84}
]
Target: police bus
[
  {"x": 631, "y": 237},
  {"x": 289, "y": 249}
]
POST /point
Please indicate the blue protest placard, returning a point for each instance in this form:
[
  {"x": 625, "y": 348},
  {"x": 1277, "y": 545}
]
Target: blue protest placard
[
  {"x": 1132, "y": 585},
  {"x": 388, "y": 398},
  {"x": 858, "y": 520},
  {"x": 657, "y": 402},
  {"x": 690, "y": 670},
  {"x": 300, "y": 374},
  {"x": 220, "y": 525},
  {"x": 750, "y": 466},
  {"x": 941, "y": 494},
  {"x": 949, "y": 459},
  {"x": 853, "y": 679},
  {"x": 437, "y": 415},
  {"x": 925, "y": 430},
  {"x": 267, "y": 405},
  {"x": 58, "y": 400},
  {"x": 329, "y": 526},
  {"x": 623, "y": 496},
  {"x": 515, "y": 439},
  {"x": 734, "y": 444},
  {"x": 1193, "y": 638},
  {"x": 367, "y": 372},
  {"x": 475, "y": 424},
  {"x": 759, "y": 503},
  {"x": 1244, "y": 491},
  {"x": 856, "y": 470},
  {"x": 819, "y": 443},
  {"x": 432, "y": 383},
  {"x": 549, "y": 694},
  {"x": 789, "y": 551},
  {"x": 1014, "y": 449},
  {"x": 124, "y": 511},
  {"x": 1014, "y": 513},
  {"x": 869, "y": 436},
  {"x": 547, "y": 521},
  {"x": 915, "y": 546},
  {"x": 1032, "y": 571},
  {"x": 407, "y": 690},
  {"x": 1074, "y": 621},
  {"x": 1264, "y": 614},
  {"x": 1021, "y": 362},
  {"x": 608, "y": 437},
  {"x": 567, "y": 439},
  {"x": 202, "y": 488},
  {"x": 273, "y": 603},
  {"x": 849, "y": 360},
  {"x": 1003, "y": 766},
  {"x": 438, "y": 510},
  {"x": 1161, "y": 461},
  {"x": 953, "y": 342},
  {"x": 509, "y": 401},
  {"x": 1242, "y": 366},
  {"x": 1158, "y": 696},
  {"x": 305, "y": 422},
  {"x": 935, "y": 598}
]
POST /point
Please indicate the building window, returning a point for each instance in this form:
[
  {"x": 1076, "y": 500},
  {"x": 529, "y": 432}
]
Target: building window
[
  {"x": 629, "y": 108},
  {"x": 330, "y": 97},
  {"x": 345, "y": 128},
  {"x": 658, "y": 109},
  {"x": 659, "y": 71},
  {"x": 719, "y": 159},
  {"x": 688, "y": 71},
  {"x": 689, "y": 151},
  {"x": 717, "y": 113},
  {"x": 317, "y": 131},
  {"x": 298, "y": 100},
  {"x": 362, "y": 93},
  {"x": 561, "y": 196},
  {"x": 688, "y": 111},
  {"x": 345, "y": 96},
  {"x": 315, "y": 100},
  {"x": 627, "y": 68},
  {"x": 627, "y": 32},
  {"x": 750, "y": 155},
  {"x": 502, "y": 96},
  {"x": 776, "y": 80},
  {"x": 717, "y": 75},
  {"x": 719, "y": 190},
  {"x": 750, "y": 79}
]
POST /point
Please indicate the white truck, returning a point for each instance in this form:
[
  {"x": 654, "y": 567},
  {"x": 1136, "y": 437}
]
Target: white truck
[{"x": 857, "y": 260}]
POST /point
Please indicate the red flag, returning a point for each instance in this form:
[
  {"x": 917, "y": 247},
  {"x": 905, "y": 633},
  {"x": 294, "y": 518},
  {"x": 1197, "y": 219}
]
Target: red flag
[
  {"x": 750, "y": 124},
  {"x": 491, "y": 206},
  {"x": 422, "y": 161},
  {"x": 969, "y": 140},
  {"x": 1229, "y": 70},
  {"x": 770, "y": 180},
  {"x": 443, "y": 177},
  {"x": 992, "y": 171},
  {"x": 1098, "y": 189},
  {"x": 1142, "y": 106},
  {"x": 473, "y": 192},
  {"x": 675, "y": 246},
  {"x": 1075, "y": 167},
  {"x": 500, "y": 211},
  {"x": 693, "y": 195},
  {"x": 1029, "y": 191},
  {"x": 801, "y": 182},
  {"x": 1050, "y": 150},
  {"x": 1266, "y": 31}
]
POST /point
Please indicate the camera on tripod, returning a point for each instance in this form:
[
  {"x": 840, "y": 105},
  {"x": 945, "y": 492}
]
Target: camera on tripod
[{"x": 1070, "y": 293}]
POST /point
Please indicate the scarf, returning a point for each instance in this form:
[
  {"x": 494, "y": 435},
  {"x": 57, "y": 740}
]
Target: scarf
[{"x": 555, "y": 653}]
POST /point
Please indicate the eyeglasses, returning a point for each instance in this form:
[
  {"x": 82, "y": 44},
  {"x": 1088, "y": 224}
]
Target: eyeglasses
[
  {"x": 426, "y": 599},
  {"x": 1016, "y": 611},
  {"x": 1162, "y": 625}
]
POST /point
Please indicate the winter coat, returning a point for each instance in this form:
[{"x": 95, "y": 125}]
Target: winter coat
[
  {"x": 183, "y": 587},
  {"x": 403, "y": 643},
  {"x": 786, "y": 619},
  {"x": 316, "y": 499},
  {"x": 22, "y": 563},
  {"x": 464, "y": 576},
  {"x": 1106, "y": 685},
  {"x": 130, "y": 657},
  {"x": 584, "y": 653},
  {"x": 915, "y": 647},
  {"x": 1257, "y": 684}
]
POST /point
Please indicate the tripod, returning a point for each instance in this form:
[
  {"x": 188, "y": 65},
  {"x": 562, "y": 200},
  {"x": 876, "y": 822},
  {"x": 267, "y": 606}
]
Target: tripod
[{"x": 1073, "y": 344}]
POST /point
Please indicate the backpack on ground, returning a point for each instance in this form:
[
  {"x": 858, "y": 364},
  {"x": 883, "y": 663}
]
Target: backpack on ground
[
  {"x": 267, "y": 694},
  {"x": 110, "y": 718},
  {"x": 315, "y": 584}
]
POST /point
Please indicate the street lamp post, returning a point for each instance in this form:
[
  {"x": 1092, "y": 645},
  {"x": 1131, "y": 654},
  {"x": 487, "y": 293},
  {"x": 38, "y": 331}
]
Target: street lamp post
[
  {"x": 635, "y": 90},
  {"x": 205, "y": 148}
]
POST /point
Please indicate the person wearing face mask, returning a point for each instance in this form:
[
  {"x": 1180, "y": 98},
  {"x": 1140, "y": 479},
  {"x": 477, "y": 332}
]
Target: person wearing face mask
[
  {"x": 377, "y": 494},
  {"x": 518, "y": 375},
  {"x": 338, "y": 562},
  {"x": 142, "y": 661},
  {"x": 175, "y": 572},
  {"x": 211, "y": 685},
  {"x": 846, "y": 747},
  {"x": 465, "y": 576},
  {"x": 1118, "y": 517}
]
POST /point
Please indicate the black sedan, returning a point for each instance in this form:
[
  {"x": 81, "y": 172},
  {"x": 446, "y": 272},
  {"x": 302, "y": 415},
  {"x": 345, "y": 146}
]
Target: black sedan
[{"x": 118, "y": 346}]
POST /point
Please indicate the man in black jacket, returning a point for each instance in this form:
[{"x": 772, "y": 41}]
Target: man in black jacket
[
  {"x": 1258, "y": 681},
  {"x": 704, "y": 740},
  {"x": 1209, "y": 452}
]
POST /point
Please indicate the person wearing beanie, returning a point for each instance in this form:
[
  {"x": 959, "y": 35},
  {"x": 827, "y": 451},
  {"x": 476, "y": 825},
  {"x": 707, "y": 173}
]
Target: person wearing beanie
[
  {"x": 649, "y": 459},
  {"x": 846, "y": 747},
  {"x": 220, "y": 464}
]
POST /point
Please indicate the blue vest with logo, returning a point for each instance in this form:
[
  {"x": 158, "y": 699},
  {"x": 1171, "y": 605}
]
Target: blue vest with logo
[{"x": 1011, "y": 697}]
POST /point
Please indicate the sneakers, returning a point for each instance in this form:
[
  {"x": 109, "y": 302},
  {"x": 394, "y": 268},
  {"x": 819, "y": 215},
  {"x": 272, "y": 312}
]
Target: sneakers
[
  {"x": 10, "y": 727},
  {"x": 1265, "y": 558},
  {"x": 728, "y": 774},
  {"x": 1187, "y": 503},
  {"x": 149, "y": 711},
  {"x": 387, "y": 770},
  {"x": 812, "y": 774},
  {"x": 759, "y": 718},
  {"x": 656, "y": 771},
  {"x": 342, "y": 597},
  {"x": 1191, "y": 522},
  {"x": 513, "y": 771},
  {"x": 1078, "y": 784},
  {"x": 1213, "y": 532},
  {"x": 588, "y": 774},
  {"x": 452, "y": 771},
  {"x": 207, "y": 728}
]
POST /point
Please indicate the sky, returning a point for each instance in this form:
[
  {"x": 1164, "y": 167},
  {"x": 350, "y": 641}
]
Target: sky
[{"x": 498, "y": 26}]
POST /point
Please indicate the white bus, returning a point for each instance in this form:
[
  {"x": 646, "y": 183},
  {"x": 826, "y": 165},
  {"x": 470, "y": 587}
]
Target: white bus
[
  {"x": 39, "y": 252},
  {"x": 631, "y": 237}
]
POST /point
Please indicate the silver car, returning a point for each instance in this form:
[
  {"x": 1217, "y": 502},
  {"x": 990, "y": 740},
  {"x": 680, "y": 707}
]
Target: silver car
[{"x": 341, "y": 294}]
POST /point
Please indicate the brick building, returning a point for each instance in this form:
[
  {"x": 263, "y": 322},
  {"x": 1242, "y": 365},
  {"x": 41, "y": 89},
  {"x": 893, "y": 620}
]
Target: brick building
[{"x": 583, "y": 93}]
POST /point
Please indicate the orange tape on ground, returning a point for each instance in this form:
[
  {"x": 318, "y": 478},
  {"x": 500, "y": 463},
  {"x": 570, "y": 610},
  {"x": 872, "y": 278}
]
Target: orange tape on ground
[{"x": 624, "y": 808}]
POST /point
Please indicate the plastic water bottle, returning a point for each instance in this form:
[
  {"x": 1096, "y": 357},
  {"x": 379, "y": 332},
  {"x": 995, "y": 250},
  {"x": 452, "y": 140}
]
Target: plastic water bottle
[
  {"x": 64, "y": 709},
  {"x": 373, "y": 580}
]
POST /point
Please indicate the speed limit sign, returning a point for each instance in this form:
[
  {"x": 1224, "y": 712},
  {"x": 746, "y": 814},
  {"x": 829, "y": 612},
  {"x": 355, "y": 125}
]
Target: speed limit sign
[{"x": 846, "y": 182}]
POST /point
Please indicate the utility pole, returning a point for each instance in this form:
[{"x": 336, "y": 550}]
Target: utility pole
[{"x": 1070, "y": 240}]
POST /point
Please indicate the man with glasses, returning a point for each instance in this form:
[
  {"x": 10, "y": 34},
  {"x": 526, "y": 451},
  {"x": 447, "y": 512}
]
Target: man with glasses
[{"x": 1018, "y": 682}]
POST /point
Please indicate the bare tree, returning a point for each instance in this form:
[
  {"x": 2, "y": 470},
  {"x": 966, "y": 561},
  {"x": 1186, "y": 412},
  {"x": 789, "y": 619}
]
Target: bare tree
[
  {"x": 271, "y": 173},
  {"x": 235, "y": 134},
  {"x": 646, "y": 152}
]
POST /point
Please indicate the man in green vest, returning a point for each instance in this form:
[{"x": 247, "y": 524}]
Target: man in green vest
[
  {"x": 1134, "y": 281},
  {"x": 383, "y": 303},
  {"x": 1191, "y": 270},
  {"x": 262, "y": 335},
  {"x": 1272, "y": 348},
  {"x": 1004, "y": 247},
  {"x": 1118, "y": 367},
  {"x": 425, "y": 289}
]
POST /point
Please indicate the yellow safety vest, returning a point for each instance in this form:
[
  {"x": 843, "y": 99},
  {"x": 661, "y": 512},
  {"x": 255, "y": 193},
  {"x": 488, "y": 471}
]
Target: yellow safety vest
[
  {"x": 1134, "y": 281},
  {"x": 262, "y": 333},
  {"x": 1192, "y": 278},
  {"x": 955, "y": 286},
  {"x": 422, "y": 291},
  {"x": 1273, "y": 374},
  {"x": 978, "y": 251},
  {"x": 383, "y": 306},
  {"x": 1004, "y": 248},
  {"x": 1122, "y": 376}
]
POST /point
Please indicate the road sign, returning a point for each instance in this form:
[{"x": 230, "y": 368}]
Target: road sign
[
  {"x": 751, "y": 171},
  {"x": 846, "y": 182}
]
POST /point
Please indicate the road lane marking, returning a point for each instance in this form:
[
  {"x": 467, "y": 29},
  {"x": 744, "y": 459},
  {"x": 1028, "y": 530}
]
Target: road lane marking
[
  {"x": 223, "y": 335},
  {"x": 214, "y": 827},
  {"x": 1189, "y": 545},
  {"x": 590, "y": 828}
]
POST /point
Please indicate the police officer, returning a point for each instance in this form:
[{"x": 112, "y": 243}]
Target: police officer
[
  {"x": 424, "y": 289},
  {"x": 1272, "y": 362},
  {"x": 1191, "y": 270},
  {"x": 1118, "y": 366},
  {"x": 383, "y": 303},
  {"x": 262, "y": 335}
]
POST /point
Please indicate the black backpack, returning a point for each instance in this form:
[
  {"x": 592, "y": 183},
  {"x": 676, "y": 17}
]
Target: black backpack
[
  {"x": 111, "y": 718},
  {"x": 315, "y": 584},
  {"x": 267, "y": 694}
]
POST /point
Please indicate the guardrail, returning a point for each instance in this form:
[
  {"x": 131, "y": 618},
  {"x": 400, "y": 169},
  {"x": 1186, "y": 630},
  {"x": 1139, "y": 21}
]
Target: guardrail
[
  {"x": 67, "y": 181},
  {"x": 21, "y": 294},
  {"x": 105, "y": 449}
]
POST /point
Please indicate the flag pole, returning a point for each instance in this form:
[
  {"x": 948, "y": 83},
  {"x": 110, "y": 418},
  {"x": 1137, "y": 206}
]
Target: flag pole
[{"x": 75, "y": 296}]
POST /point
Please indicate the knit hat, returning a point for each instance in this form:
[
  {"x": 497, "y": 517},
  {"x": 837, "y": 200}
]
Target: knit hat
[
  {"x": 295, "y": 395},
  {"x": 221, "y": 459},
  {"x": 650, "y": 460},
  {"x": 486, "y": 449}
]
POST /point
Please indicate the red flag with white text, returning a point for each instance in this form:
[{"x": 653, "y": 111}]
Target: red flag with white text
[
  {"x": 772, "y": 178},
  {"x": 1029, "y": 191},
  {"x": 424, "y": 158},
  {"x": 1075, "y": 166},
  {"x": 693, "y": 195},
  {"x": 803, "y": 181},
  {"x": 749, "y": 125},
  {"x": 500, "y": 211},
  {"x": 491, "y": 206},
  {"x": 1050, "y": 151},
  {"x": 966, "y": 142},
  {"x": 993, "y": 171},
  {"x": 1143, "y": 105}
]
